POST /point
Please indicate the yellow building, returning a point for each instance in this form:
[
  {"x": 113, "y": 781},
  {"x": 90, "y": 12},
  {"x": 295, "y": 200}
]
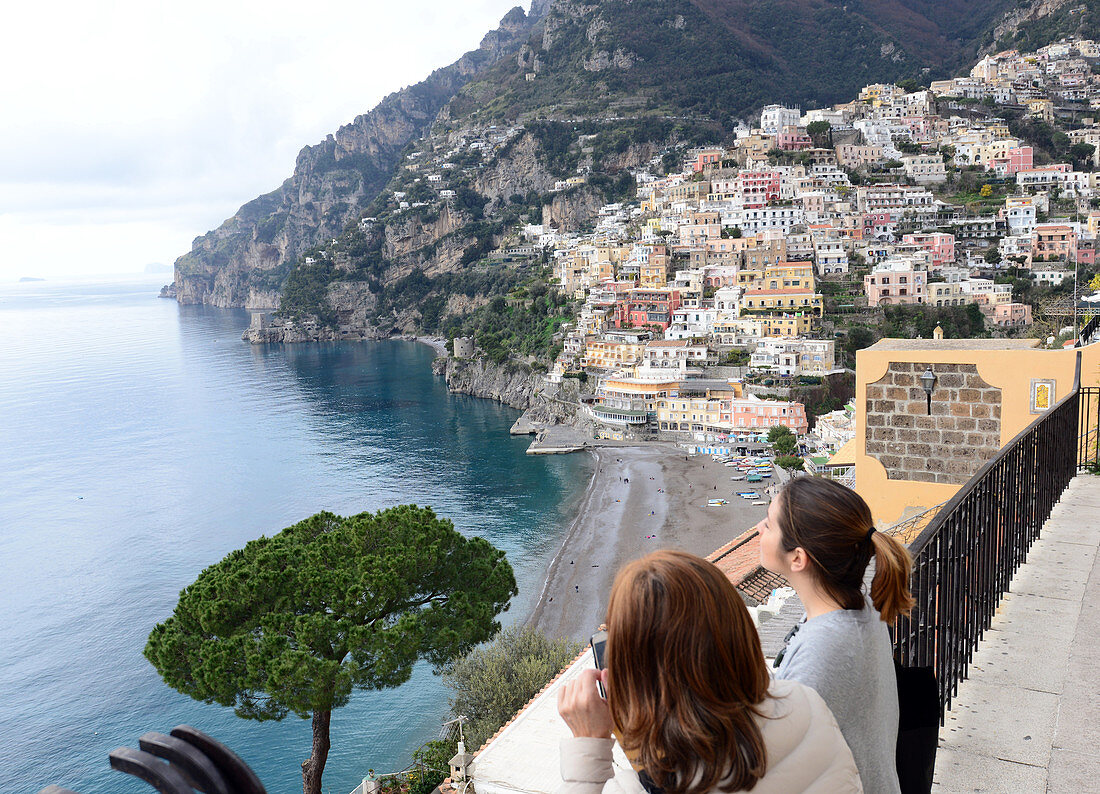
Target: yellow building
[
  {"x": 601, "y": 270},
  {"x": 778, "y": 275},
  {"x": 912, "y": 453},
  {"x": 1093, "y": 225},
  {"x": 612, "y": 353},
  {"x": 572, "y": 274},
  {"x": 782, "y": 300},
  {"x": 1042, "y": 109},
  {"x": 636, "y": 394},
  {"x": 692, "y": 192},
  {"x": 721, "y": 411},
  {"x": 754, "y": 148},
  {"x": 653, "y": 272},
  {"x": 779, "y": 325}
]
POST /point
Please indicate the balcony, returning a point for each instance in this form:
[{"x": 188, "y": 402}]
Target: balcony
[{"x": 1004, "y": 573}]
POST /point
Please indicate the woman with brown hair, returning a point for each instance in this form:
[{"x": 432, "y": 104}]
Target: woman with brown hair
[
  {"x": 821, "y": 537},
  {"x": 690, "y": 699}
]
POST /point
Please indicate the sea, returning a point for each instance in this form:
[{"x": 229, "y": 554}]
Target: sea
[{"x": 142, "y": 441}]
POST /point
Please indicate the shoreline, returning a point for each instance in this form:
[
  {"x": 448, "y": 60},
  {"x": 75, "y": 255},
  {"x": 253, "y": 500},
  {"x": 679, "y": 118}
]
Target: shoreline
[
  {"x": 639, "y": 499},
  {"x": 436, "y": 343}
]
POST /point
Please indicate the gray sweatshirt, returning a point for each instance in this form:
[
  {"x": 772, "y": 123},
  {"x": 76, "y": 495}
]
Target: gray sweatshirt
[{"x": 845, "y": 656}]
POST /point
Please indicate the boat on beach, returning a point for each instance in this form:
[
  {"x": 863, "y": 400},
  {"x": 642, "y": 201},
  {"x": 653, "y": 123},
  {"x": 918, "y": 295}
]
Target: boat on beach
[{"x": 717, "y": 502}]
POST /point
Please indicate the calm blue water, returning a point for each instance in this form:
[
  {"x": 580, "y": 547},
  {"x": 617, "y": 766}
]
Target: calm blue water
[{"x": 142, "y": 441}]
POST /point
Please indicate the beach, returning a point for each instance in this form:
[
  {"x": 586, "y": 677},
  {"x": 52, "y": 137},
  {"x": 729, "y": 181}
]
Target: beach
[{"x": 640, "y": 499}]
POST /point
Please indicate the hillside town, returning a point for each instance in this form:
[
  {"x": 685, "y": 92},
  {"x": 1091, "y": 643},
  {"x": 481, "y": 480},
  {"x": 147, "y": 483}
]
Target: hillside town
[{"x": 705, "y": 297}]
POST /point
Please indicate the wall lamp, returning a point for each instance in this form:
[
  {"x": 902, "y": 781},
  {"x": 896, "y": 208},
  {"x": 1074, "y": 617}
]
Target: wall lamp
[{"x": 928, "y": 381}]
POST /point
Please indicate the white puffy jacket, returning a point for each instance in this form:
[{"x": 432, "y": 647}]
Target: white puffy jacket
[{"x": 805, "y": 752}]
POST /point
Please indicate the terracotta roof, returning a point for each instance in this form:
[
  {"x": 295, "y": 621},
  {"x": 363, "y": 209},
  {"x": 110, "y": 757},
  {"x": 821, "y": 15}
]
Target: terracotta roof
[
  {"x": 668, "y": 343},
  {"x": 759, "y": 584},
  {"x": 739, "y": 560}
]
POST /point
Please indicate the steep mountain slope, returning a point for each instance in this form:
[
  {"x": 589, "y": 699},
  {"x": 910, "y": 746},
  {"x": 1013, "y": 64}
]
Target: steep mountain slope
[
  {"x": 633, "y": 75},
  {"x": 245, "y": 260},
  {"x": 719, "y": 58}
]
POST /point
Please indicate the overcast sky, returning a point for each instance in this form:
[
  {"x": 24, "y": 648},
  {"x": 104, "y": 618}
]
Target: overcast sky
[{"x": 128, "y": 128}]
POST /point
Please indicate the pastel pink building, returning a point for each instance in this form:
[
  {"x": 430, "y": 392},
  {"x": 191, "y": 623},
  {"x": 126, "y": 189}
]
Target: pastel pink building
[
  {"x": 1019, "y": 158},
  {"x": 647, "y": 307},
  {"x": 705, "y": 158},
  {"x": 793, "y": 139},
  {"x": 758, "y": 187},
  {"x": 1053, "y": 242},
  {"x": 880, "y": 222},
  {"x": 1009, "y": 315},
  {"x": 940, "y": 244},
  {"x": 895, "y": 284}
]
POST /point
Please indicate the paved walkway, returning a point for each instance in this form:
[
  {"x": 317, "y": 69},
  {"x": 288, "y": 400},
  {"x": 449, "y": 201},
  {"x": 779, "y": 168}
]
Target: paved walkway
[{"x": 1028, "y": 718}]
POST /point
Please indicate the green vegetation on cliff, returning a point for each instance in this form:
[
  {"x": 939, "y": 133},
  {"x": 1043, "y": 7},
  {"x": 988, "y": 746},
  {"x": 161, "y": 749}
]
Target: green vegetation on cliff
[
  {"x": 1075, "y": 19},
  {"x": 714, "y": 58}
]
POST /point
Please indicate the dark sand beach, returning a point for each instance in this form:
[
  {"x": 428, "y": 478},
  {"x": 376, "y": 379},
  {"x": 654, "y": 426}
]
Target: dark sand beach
[{"x": 640, "y": 499}]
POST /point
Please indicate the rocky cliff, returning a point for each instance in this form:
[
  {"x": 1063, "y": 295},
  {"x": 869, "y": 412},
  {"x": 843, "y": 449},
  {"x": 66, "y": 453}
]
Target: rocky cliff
[
  {"x": 544, "y": 404},
  {"x": 507, "y": 383},
  {"x": 245, "y": 260}
]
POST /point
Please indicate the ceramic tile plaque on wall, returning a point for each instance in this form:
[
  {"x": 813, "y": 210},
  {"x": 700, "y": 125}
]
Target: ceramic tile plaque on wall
[{"x": 1042, "y": 395}]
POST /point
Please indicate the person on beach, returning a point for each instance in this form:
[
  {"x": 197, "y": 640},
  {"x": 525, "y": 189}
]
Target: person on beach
[
  {"x": 690, "y": 698},
  {"x": 820, "y": 536}
]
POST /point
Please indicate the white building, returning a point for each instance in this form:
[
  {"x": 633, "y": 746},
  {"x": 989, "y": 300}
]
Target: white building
[
  {"x": 774, "y": 118},
  {"x": 1050, "y": 277},
  {"x": 794, "y": 357},
  {"x": 924, "y": 169}
]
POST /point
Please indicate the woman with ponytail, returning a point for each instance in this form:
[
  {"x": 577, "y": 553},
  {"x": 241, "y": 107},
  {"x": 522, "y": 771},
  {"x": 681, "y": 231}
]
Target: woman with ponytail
[
  {"x": 690, "y": 699},
  {"x": 821, "y": 537}
]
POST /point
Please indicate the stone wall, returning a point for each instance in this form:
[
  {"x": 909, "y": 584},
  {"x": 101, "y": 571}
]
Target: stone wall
[{"x": 962, "y": 433}]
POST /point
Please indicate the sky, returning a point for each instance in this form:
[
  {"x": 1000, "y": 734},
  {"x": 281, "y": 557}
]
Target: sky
[{"x": 128, "y": 128}]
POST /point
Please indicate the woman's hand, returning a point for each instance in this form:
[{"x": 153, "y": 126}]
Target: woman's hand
[{"x": 582, "y": 708}]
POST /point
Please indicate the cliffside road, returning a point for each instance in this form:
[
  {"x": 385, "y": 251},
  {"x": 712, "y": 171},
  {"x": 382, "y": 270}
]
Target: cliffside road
[{"x": 640, "y": 499}]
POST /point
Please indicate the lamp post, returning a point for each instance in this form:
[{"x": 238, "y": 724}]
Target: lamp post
[{"x": 928, "y": 381}]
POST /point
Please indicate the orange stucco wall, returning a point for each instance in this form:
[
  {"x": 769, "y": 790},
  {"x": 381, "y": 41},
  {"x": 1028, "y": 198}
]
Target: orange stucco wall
[{"x": 1010, "y": 370}]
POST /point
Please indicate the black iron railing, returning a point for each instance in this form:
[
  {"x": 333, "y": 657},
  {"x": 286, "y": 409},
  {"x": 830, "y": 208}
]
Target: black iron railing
[
  {"x": 1088, "y": 436},
  {"x": 1089, "y": 331},
  {"x": 966, "y": 556}
]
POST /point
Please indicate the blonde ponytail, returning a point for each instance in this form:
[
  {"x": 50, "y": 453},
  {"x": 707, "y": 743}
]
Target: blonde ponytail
[{"x": 890, "y": 587}]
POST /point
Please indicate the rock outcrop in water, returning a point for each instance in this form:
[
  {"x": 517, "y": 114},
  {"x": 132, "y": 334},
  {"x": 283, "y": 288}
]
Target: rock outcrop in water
[{"x": 507, "y": 383}]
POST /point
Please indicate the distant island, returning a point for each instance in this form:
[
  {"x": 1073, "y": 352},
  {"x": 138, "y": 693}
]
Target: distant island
[
  {"x": 30, "y": 278},
  {"x": 158, "y": 267}
]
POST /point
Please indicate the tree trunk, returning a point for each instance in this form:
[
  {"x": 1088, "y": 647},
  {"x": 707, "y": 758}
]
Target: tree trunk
[{"x": 315, "y": 764}]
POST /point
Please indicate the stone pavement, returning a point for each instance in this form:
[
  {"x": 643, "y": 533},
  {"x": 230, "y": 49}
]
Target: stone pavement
[{"x": 1028, "y": 717}]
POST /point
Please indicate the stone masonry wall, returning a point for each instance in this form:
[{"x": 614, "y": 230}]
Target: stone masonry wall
[{"x": 948, "y": 446}]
